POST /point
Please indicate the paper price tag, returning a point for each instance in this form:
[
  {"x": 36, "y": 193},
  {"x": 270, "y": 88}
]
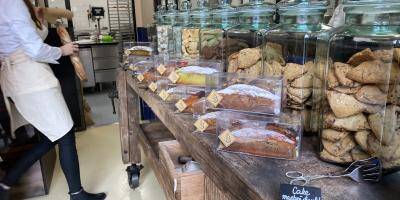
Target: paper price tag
[
  {"x": 201, "y": 125},
  {"x": 226, "y": 138},
  {"x": 153, "y": 86},
  {"x": 161, "y": 69},
  {"x": 181, "y": 105},
  {"x": 164, "y": 95},
  {"x": 140, "y": 77},
  {"x": 214, "y": 98},
  {"x": 173, "y": 77}
]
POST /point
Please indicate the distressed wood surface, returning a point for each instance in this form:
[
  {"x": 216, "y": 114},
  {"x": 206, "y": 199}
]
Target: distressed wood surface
[
  {"x": 123, "y": 115},
  {"x": 247, "y": 177},
  {"x": 212, "y": 192},
  {"x": 152, "y": 156}
]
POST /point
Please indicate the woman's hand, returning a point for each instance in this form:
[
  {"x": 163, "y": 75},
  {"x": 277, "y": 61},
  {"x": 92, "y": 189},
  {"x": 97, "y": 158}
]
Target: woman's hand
[{"x": 69, "y": 49}]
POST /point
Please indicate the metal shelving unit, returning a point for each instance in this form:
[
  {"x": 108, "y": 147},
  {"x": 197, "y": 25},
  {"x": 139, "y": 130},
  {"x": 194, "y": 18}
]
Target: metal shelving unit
[{"x": 121, "y": 19}]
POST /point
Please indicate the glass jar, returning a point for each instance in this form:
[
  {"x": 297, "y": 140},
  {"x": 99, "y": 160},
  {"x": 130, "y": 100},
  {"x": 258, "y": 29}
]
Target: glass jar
[
  {"x": 164, "y": 30},
  {"x": 358, "y": 66},
  {"x": 199, "y": 18},
  {"x": 182, "y": 19},
  {"x": 289, "y": 50},
  {"x": 244, "y": 41},
  {"x": 212, "y": 37}
]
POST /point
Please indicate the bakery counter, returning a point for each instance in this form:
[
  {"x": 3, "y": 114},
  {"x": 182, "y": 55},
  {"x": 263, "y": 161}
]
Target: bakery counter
[
  {"x": 237, "y": 176},
  {"x": 101, "y": 60}
]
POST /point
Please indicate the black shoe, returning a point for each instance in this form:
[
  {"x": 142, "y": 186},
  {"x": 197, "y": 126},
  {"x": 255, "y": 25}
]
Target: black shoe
[
  {"x": 83, "y": 195},
  {"x": 4, "y": 194}
]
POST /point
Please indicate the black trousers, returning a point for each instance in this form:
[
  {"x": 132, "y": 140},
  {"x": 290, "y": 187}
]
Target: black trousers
[{"x": 68, "y": 160}]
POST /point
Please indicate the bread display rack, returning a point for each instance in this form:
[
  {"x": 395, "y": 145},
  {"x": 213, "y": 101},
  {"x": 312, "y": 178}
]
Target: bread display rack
[{"x": 227, "y": 176}]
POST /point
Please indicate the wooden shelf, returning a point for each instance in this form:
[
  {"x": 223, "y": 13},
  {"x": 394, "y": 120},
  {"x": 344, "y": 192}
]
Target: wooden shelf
[{"x": 247, "y": 177}]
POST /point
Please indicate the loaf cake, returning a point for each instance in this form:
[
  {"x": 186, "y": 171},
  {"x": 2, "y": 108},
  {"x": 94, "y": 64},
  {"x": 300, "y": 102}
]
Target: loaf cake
[
  {"x": 192, "y": 75},
  {"x": 244, "y": 97},
  {"x": 262, "y": 142}
]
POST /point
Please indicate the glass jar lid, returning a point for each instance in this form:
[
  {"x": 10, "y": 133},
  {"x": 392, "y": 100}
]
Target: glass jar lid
[
  {"x": 372, "y": 12},
  {"x": 183, "y": 15},
  {"x": 256, "y": 14},
  {"x": 200, "y": 16},
  {"x": 302, "y": 11},
  {"x": 170, "y": 15},
  {"x": 158, "y": 16},
  {"x": 224, "y": 15}
]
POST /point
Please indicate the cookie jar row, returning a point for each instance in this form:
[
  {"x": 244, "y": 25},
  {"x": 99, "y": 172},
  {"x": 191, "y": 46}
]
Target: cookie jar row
[{"x": 356, "y": 85}]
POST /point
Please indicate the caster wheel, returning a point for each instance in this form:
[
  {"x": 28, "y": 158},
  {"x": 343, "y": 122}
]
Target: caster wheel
[{"x": 134, "y": 175}]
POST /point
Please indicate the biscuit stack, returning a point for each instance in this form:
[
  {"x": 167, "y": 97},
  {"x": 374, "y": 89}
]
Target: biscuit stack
[{"x": 362, "y": 113}]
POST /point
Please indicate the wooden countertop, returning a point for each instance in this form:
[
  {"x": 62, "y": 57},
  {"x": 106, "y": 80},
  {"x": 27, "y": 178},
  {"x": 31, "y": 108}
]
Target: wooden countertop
[{"x": 247, "y": 177}]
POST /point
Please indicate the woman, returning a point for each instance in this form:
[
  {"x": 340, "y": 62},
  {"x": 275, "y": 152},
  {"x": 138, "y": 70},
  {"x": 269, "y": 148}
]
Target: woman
[{"x": 33, "y": 94}]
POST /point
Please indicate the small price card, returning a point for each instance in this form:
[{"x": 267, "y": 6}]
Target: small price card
[
  {"x": 289, "y": 192},
  {"x": 214, "y": 98},
  {"x": 140, "y": 77},
  {"x": 181, "y": 105},
  {"x": 173, "y": 77},
  {"x": 201, "y": 125},
  {"x": 153, "y": 86},
  {"x": 164, "y": 95},
  {"x": 161, "y": 69},
  {"x": 227, "y": 138}
]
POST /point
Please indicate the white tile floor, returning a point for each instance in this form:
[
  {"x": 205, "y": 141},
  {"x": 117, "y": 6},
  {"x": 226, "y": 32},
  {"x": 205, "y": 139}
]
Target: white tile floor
[{"x": 102, "y": 169}]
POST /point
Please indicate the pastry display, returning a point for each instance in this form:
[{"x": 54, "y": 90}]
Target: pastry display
[
  {"x": 258, "y": 136},
  {"x": 361, "y": 116},
  {"x": 192, "y": 104},
  {"x": 173, "y": 93},
  {"x": 211, "y": 44},
  {"x": 192, "y": 75},
  {"x": 163, "y": 34}
]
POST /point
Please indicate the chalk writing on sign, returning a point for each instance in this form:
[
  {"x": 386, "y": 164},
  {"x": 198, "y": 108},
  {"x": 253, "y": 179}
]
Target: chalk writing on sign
[{"x": 295, "y": 192}]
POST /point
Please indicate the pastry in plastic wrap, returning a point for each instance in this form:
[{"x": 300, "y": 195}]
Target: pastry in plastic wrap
[
  {"x": 244, "y": 97},
  {"x": 191, "y": 75},
  {"x": 259, "y": 136},
  {"x": 191, "y": 104},
  {"x": 208, "y": 123},
  {"x": 176, "y": 93},
  {"x": 139, "y": 51}
]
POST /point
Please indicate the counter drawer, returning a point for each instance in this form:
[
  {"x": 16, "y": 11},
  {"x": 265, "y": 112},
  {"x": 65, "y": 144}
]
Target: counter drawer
[
  {"x": 185, "y": 185},
  {"x": 105, "y": 63},
  {"x": 106, "y": 75},
  {"x": 105, "y": 51}
]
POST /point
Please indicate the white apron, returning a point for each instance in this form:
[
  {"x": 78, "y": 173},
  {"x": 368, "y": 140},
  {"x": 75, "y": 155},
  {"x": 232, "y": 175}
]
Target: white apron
[{"x": 36, "y": 95}]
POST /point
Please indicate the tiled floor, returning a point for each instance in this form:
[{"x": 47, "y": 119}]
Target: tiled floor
[{"x": 102, "y": 169}]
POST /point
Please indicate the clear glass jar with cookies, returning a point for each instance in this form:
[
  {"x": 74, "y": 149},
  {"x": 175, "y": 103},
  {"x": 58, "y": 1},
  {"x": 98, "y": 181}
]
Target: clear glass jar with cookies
[
  {"x": 212, "y": 37},
  {"x": 199, "y": 18},
  {"x": 358, "y": 65},
  {"x": 165, "y": 40},
  {"x": 244, "y": 41},
  {"x": 182, "y": 20},
  {"x": 289, "y": 51}
]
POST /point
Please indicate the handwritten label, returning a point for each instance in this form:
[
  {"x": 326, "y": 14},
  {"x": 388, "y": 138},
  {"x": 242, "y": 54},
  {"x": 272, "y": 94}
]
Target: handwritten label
[
  {"x": 153, "y": 86},
  {"x": 164, "y": 95},
  {"x": 214, "y": 98},
  {"x": 201, "y": 125},
  {"x": 295, "y": 192},
  {"x": 161, "y": 69},
  {"x": 173, "y": 77},
  {"x": 140, "y": 77},
  {"x": 226, "y": 138},
  {"x": 181, "y": 105}
]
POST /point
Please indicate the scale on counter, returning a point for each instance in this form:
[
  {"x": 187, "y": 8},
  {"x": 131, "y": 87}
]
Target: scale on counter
[{"x": 96, "y": 14}]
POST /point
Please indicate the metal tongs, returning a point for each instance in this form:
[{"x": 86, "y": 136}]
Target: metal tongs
[{"x": 368, "y": 170}]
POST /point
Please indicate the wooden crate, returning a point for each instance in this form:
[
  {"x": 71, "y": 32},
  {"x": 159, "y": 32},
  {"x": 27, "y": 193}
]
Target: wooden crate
[{"x": 185, "y": 186}]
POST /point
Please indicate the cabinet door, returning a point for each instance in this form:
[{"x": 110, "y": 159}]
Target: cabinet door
[{"x": 86, "y": 57}]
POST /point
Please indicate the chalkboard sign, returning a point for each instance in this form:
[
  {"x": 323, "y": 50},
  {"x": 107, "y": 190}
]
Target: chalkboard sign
[{"x": 295, "y": 192}]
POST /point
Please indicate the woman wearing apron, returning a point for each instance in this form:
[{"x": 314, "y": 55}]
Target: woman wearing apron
[{"x": 33, "y": 94}]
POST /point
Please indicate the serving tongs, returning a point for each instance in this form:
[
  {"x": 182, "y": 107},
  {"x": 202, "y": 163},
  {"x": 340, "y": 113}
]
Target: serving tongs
[{"x": 368, "y": 170}]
